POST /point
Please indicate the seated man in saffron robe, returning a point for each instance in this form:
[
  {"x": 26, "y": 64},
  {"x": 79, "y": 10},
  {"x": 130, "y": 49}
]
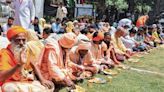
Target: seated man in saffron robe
[
  {"x": 54, "y": 57},
  {"x": 17, "y": 73},
  {"x": 81, "y": 63}
]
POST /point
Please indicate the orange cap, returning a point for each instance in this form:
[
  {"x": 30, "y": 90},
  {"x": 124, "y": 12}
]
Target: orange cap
[{"x": 68, "y": 40}]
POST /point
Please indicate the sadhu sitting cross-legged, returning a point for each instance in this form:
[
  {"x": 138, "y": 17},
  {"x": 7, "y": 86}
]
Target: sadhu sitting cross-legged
[{"x": 17, "y": 72}]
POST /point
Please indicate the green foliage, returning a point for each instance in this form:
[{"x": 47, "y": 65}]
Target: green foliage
[
  {"x": 120, "y": 4},
  {"x": 71, "y": 3},
  {"x": 143, "y": 7}
]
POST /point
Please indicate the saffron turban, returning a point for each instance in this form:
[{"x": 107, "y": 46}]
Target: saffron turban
[
  {"x": 99, "y": 37},
  {"x": 15, "y": 30},
  {"x": 68, "y": 40}
]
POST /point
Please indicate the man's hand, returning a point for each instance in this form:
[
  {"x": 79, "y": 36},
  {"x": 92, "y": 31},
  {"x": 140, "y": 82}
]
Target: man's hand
[
  {"x": 32, "y": 21},
  {"x": 47, "y": 83},
  {"x": 23, "y": 56}
]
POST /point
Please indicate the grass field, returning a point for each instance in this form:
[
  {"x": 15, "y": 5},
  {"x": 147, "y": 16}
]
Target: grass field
[{"x": 133, "y": 81}]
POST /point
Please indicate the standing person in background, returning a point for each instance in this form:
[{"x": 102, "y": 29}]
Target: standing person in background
[
  {"x": 39, "y": 8},
  {"x": 61, "y": 11},
  {"x": 142, "y": 21},
  {"x": 24, "y": 13}
]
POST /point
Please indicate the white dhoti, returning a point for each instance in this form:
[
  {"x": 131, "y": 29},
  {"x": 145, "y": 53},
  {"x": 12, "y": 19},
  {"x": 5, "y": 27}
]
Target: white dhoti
[{"x": 35, "y": 86}]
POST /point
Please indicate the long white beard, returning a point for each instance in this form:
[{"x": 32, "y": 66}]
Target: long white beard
[{"x": 16, "y": 49}]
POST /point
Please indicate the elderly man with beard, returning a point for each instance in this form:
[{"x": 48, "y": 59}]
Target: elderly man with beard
[{"x": 17, "y": 73}]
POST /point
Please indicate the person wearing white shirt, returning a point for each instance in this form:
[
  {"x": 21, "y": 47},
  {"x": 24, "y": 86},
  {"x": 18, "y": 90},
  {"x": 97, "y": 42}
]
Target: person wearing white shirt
[
  {"x": 39, "y": 8},
  {"x": 61, "y": 11},
  {"x": 8, "y": 25},
  {"x": 3, "y": 41},
  {"x": 24, "y": 11},
  {"x": 131, "y": 43}
]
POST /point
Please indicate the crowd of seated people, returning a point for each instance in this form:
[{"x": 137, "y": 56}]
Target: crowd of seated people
[{"x": 63, "y": 52}]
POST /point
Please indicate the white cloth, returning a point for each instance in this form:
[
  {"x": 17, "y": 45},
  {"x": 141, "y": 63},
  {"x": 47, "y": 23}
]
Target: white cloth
[
  {"x": 39, "y": 8},
  {"x": 24, "y": 12},
  {"x": 113, "y": 30},
  {"x": 3, "y": 1},
  {"x": 61, "y": 12},
  {"x": 5, "y": 28},
  {"x": 6, "y": 10},
  {"x": 3, "y": 42},
  {"x": 124, "y": 22},
  {"x": 128, "y": 41},
  {"x": 82, "y": 37}
]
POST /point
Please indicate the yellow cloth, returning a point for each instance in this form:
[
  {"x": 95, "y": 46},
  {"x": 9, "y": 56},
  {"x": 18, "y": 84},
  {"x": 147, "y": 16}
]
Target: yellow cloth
[
  {"x": 32, "y": 35},
  {"x": 69, "y": 27},
  {"x": 119, "y": 47},
  {"x": 155, "y": 36},
  {"x": 35, "y": 49}
]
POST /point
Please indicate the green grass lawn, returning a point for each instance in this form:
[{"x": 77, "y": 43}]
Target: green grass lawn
[{"x": 132, "y": 81}]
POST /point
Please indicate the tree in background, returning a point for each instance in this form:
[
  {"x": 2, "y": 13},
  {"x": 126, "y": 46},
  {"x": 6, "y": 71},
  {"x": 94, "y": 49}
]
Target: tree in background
[
  {"x": 119, "y": 4},
  {"x": 117, "y": 9}
]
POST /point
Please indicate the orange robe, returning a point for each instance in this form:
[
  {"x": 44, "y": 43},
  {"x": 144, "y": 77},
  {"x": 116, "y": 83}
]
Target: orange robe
[
  {"x": 76, "y": 61},
  {"x": 51, "y": 63},
  {"x": 7, "y": 61},
  {"x": 141, "y": 21},
  {"x": 98, "y": 52}
]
